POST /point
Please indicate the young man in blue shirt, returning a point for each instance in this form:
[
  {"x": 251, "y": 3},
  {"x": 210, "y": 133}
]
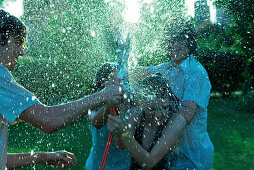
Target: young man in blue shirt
[{"x": 17, "y": 102}]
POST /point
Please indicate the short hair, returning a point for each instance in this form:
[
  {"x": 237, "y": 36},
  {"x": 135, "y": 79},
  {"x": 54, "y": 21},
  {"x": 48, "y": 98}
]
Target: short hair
[
  {"x": 102, "y": 75},
  {"x": 156, "y": 85},
  {"x": 181, "y": 29},
  {"x": 11, "y": 26}
]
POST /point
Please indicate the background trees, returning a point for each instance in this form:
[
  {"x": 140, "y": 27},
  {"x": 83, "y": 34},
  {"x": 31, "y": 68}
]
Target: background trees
[{"x": 242, "y": 31}]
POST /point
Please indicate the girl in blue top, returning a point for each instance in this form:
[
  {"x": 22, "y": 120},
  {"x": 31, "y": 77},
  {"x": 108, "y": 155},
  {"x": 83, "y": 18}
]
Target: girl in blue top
[{"x": 117, "y": 159}]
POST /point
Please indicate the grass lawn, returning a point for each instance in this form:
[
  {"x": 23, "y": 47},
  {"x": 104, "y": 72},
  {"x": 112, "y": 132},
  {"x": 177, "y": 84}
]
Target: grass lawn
[{"x": 230, "y": 130}]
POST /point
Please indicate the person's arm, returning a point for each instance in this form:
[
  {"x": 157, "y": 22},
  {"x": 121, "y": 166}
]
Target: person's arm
[
  {"x": 139, "y": 73},
  {"x": 52, "y": 118},
  {"x": 130, "y": 124},
  {"x": 99, "y": 118},
  {"x": 62, "y": 159},
  {"x": 168, "y": 139}
]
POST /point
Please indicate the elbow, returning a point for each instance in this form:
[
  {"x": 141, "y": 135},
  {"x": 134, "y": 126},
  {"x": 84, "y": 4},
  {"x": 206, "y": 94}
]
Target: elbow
[
  {"x": 121, "y": 147},
  {"x": 49, "y": 130},
  {"x": 148, "y": 167},
  {"x": 149, "y": 164},
  {"x": 50, "y": 127},
  {"x": 97, "y": 126}
]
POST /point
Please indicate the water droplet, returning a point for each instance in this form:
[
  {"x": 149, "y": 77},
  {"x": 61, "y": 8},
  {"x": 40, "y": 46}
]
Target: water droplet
[
  {"x": 126, "y": 117},
  {"x": 125, "y": 96},
  {"x": 63, "y": 30},
  {"x": 89, "y": 112},
  {"x": 93, "y": 33},
  {"x": 33, "y": 98},
  {"x": 120, "y": 89}
]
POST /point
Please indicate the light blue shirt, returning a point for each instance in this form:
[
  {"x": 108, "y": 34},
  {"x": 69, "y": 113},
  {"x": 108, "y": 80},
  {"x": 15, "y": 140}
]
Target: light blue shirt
[
  {"x": 190, "y": 81},
  {"x": 116, "y": 160},
  {"x": 14, "y": 99}
]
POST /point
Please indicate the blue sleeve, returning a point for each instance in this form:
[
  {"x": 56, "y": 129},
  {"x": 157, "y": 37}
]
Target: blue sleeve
[
  {"x": 198, "y": 88},
  {"x": 157, "y": 69},
  {"x": 14, "y": 99}
]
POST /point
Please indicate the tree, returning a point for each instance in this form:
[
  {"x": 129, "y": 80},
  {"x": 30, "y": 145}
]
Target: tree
[{"x": 242, "y": 27}]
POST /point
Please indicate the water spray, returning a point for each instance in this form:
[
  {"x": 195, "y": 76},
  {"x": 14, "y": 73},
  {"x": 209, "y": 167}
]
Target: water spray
[{"x": 121, "y": 60}]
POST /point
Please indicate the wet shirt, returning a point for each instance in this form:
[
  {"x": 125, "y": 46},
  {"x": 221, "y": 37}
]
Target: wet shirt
[
  {"x": 14, "y": 99},
  {"x": 189, "y": 82},
  {"x": 116, "y": 160}
]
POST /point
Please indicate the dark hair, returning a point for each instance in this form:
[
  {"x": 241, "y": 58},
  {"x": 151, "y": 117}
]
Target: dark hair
[
  {"x": 102, "y": 75},
  {"x": 181, "y": 29},
  {"x": 157, "y": 85},
  {"x": 11, "y": 26}
]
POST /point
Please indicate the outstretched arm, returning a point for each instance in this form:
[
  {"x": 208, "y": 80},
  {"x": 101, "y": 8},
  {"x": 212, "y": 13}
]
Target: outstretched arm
[
  {"x": 62, "y": 159},
  {"x": 52, "y": 118},
  {"x": 139, "y": 73}
]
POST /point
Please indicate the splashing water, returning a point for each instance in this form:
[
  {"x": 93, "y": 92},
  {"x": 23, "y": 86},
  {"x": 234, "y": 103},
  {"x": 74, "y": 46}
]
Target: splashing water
[{"x": 68, "y": 41}]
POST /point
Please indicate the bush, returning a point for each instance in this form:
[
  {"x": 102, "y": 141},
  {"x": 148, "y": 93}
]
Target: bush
[{"x": 224, "y": 70}]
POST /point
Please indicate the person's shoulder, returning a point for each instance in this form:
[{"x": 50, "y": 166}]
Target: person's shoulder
[
  {"x": 197, "y": 67},
  {"x": 161, "y": 66},
  {"x": 5, "y": 74}
]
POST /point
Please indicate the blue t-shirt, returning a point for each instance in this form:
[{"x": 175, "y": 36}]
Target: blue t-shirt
[
  {"x": 14, "y": 99},
  {"x": 116, "y": 160},
  {"x": 189, "y": 82}
]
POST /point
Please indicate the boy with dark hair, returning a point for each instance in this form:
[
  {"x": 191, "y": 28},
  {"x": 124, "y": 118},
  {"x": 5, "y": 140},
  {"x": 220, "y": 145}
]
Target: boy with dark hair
[
  {"x": 17, "y": 102},
  {"x": 117, "y": 159}
]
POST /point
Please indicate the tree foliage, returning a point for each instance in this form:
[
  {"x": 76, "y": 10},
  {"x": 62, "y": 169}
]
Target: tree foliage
[
  {"x": 242, "y": 13},
  {"x": 68, "y": 40}
]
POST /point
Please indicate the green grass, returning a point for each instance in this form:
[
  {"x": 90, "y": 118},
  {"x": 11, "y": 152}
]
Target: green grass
[
  {"x": 75, "y": 138},
  {"x": 230, "y": 130}
]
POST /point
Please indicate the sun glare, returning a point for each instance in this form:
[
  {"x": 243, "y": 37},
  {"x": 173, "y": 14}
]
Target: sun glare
[
  {"x": 14, "y": 7},
  {"x": 131, "y": 14}
]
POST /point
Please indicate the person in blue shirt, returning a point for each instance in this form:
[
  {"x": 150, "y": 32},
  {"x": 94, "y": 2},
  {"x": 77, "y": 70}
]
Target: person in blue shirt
[
  {"x": 18, "y": 103},
  {"x": 191, "y": 85},
  {"x": 117, "y": 159}
]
